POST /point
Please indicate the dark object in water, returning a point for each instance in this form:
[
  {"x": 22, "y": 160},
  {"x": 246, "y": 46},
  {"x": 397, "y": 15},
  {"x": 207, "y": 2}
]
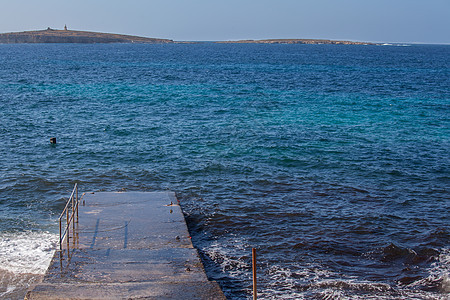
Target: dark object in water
[{"x": 53, "y": 140}]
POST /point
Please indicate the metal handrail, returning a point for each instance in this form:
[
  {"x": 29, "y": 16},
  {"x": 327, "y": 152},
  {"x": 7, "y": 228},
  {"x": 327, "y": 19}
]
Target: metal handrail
[{"x": 70, "y": 217}]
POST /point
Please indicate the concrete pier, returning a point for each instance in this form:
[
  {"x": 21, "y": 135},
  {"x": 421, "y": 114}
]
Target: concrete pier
[{"x": 131, "y": 245}]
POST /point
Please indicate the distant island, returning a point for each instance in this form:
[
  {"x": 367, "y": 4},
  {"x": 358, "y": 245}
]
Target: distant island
[
  {"x": 297, "y": 41},
  {"x": 50, "y": 35},
  {"x": 72, "y": 36}
]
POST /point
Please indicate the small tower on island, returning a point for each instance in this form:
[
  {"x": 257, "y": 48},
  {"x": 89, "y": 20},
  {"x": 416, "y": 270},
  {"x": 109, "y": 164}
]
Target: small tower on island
[{"x": 65, "y": 27}]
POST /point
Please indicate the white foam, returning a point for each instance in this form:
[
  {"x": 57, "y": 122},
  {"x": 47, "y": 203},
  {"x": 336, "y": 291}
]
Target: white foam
[
  {"x": 396, "y": 45},
  {"x": 439, "y": 272},
  {"x": 26, "y": 252},
  {"x": 313, "y": 280},
  {"x": 442, "y": 268},
  {"x": 234, "y": 266}
]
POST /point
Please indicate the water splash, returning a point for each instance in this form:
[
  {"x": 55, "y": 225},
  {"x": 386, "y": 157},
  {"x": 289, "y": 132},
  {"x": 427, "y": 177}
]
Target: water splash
[{"x": 26, "y": 252}]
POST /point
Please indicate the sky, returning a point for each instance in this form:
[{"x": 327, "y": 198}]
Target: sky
[{"x": 400, "y": 21}]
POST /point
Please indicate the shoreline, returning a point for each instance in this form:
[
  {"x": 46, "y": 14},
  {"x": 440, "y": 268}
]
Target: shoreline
[
  {"x": 298, "y": 41},
  {"x": 53, "y": 36}
]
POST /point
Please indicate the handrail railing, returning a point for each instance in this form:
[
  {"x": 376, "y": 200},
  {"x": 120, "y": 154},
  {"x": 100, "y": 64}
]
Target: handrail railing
[{"x": 71, "y": 218}]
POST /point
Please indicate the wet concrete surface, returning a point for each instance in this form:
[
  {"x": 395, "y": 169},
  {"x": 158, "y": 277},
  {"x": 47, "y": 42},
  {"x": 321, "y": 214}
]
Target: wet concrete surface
[{"x": 127, "y": 246}]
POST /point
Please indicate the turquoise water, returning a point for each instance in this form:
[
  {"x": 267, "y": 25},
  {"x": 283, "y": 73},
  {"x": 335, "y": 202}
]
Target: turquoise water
[{"x": 331, "y": 160}]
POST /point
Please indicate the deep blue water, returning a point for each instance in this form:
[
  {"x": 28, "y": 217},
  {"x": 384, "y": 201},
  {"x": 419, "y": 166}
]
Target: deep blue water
[{"x": 333, "y": 161}]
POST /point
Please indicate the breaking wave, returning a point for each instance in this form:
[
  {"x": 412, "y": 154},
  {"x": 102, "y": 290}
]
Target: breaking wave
[{"x": 24, "y": 258}]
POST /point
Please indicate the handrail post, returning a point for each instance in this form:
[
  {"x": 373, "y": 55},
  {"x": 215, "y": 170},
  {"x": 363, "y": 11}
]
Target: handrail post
[
  {"x": 68, "y": 242},
  {"x": 72, "y": 217},
  {"x": 67, "y": 228},
  {"x": 60, "y": 233},
  {"x": 73, "y": 199},
  {"x": 254, "y": 272},
  {"x": 76, "y": 186}
]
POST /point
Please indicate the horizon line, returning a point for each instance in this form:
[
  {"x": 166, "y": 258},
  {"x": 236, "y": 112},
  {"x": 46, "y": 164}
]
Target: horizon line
[{"x": 242, "y": 39}]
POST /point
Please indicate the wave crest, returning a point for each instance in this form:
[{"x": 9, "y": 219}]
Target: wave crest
[{"x": 27, "y": 252}]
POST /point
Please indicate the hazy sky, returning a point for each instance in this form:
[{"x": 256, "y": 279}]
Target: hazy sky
[{"x": 421, "y": 21}]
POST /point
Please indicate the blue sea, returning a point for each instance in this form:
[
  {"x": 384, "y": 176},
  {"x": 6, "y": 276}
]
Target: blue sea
[{"x": 332, "y": 161}]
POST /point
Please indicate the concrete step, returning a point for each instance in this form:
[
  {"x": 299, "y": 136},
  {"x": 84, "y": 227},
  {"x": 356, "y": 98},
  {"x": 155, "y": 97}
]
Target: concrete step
[
  {"x": 112, "y": 291},
  {"x": 128, "y": 265}
]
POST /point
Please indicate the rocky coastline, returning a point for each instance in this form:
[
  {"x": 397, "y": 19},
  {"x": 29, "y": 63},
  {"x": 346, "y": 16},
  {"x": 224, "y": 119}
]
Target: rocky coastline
[
  {"x": 72, "y": 36},
  {"x": 297, "y": 41}
]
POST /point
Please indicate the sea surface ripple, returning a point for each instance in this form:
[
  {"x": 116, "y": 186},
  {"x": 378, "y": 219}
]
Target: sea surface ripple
[{"x": 331, "y": 160}]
